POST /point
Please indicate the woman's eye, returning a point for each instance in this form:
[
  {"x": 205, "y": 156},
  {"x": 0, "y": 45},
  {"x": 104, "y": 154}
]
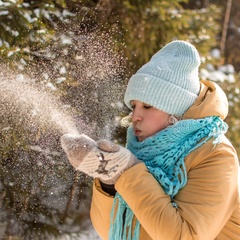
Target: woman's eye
[
  {"x": 132, "y": 107},
  {"x": 147, "y": 106}
]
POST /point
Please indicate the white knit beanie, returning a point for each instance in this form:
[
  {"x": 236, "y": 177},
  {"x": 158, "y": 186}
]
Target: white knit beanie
[{"x": 169, "y": 81}]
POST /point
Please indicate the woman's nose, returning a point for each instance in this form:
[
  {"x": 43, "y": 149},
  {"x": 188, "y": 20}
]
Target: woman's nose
[{"x": 136, "y": 116}]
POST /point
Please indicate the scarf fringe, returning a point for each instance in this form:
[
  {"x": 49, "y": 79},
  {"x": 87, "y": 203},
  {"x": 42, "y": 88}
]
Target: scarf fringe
[{"x": 122, "y": 222}]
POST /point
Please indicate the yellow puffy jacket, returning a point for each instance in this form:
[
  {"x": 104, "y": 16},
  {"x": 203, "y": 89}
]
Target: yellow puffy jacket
[{"x": 209, "y": 205}]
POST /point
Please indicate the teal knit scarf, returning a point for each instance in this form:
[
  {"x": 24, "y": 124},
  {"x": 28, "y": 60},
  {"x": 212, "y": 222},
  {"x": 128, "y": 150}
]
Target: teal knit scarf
[{"x": 164, "y": 155}]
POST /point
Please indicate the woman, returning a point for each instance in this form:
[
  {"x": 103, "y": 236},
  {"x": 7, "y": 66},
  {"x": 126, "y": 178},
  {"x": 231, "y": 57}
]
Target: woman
[{"x": 177, "y": 176}]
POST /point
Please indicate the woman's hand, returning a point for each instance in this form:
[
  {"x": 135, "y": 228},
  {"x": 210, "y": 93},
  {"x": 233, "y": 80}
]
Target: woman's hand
[{"x": 103, "y": 159}]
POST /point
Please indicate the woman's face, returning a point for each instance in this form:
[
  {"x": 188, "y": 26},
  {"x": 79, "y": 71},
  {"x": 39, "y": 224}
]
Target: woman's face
[{"x": 147, "y": 120}]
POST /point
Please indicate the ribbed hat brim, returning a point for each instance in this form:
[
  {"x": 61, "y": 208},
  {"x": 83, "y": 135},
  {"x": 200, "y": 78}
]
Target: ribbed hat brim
[{"x": 156, "y": 92}]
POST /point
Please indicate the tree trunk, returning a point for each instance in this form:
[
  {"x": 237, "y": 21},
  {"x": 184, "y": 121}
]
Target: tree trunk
[
  {"x": 204, "y": 3},
  {"x": 71, "y": 195},
  {"x": 225, "y": 26}
]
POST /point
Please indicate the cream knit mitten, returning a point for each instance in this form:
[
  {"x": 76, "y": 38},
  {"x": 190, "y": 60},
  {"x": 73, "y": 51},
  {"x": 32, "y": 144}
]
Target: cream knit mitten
[{"x": 103, "y": 159}]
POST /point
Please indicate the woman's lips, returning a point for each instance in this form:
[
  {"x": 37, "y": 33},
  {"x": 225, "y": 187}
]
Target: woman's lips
[{"x": 137, "y": 132}]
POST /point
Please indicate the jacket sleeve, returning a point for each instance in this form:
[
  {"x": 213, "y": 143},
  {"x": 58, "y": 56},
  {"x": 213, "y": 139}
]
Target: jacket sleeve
[
  {"x": 204, "y": 204},
  {"x": 101, "y": 209}
]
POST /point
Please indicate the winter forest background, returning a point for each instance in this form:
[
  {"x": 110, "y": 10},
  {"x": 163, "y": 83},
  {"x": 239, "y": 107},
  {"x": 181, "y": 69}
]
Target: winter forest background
[{"x": 64, "y": 67}]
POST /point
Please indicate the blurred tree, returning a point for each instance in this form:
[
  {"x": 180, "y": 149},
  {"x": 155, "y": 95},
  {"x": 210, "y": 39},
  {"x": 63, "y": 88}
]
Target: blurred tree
[
  {"x": 155, "y": 22},
  {"x": 225, "y": 26},
  {"x": 27, "y": 26},
  {"x": 232, "y": 46},
  {"x": 230, "y": 61},
  {"x": 35, "y": 178},
  {"x": 146, "y": 26},
  {"x": 231, "y": 52},
  {"x": 233, "y": 120}
]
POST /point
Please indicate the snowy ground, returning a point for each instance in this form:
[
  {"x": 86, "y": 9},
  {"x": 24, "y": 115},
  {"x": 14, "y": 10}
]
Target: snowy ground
[{"x": 88, "y": 234}]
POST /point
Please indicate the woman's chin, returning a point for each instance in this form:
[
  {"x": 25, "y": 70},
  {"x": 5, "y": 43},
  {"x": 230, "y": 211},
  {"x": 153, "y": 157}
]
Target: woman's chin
[{"x": 140, "y": 138}]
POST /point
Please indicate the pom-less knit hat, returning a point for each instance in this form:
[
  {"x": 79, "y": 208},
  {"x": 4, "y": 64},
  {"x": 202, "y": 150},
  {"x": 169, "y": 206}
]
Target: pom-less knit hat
[{"x": 169, "y": 81}]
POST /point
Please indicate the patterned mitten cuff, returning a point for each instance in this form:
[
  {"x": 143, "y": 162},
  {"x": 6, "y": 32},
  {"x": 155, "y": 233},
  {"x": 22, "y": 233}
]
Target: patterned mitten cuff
[{"x": 104, "y": 159}]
